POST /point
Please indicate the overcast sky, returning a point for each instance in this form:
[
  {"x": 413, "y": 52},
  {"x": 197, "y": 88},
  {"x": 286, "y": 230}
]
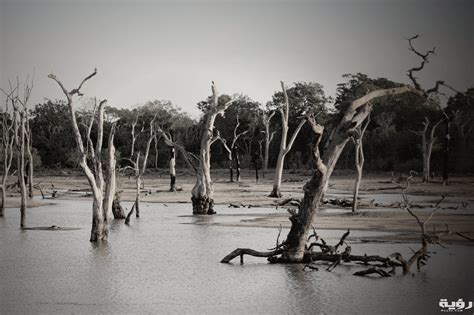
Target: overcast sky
[{"x": 146, "y": 50}]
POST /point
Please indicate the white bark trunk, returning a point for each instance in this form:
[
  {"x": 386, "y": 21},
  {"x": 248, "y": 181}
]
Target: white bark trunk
[
  {"x": 202, "y": 193},
  {"x": 99, "y": 231},
  {"x": 284, "y": 147}
]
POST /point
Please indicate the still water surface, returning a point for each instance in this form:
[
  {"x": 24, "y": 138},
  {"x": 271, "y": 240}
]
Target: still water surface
[{"x": 164, "y": 263}]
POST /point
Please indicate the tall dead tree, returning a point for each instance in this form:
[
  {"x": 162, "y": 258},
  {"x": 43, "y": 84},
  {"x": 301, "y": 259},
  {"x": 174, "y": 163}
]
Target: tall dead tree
[
  {"x": 266, "y": 119},
  {"x": 7, "y": 150},
  {"x": 202, "y": 194},
  {"x": 232, "y": 153},
  {"x": 19, "y": 100},
  {"x": 427, "y": 141},
  {"x": 357, "y": 138},
  {"x": 139, "y": 165},
  {"x": 102, "y": 187},
  {"x": 293, "y": 248},
  {"x": 157, "y": 139},
  {"x": 285, "y": 146},
  {"x": 29, "y": 152}
]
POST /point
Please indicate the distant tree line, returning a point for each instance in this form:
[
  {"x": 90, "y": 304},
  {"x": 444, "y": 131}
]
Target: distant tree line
[{"x": 391, "y": 142}]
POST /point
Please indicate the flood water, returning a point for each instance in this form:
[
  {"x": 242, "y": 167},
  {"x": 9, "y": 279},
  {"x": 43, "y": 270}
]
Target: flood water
[{"x": 164, "y": 263}]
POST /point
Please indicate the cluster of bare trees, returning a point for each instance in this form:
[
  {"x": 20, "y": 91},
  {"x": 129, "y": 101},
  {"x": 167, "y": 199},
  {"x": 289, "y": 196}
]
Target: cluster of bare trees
[
  {"x": 17, "y": 141},
  {"x": 99, "y": 163},
  {"x": 295, "y": 247}
]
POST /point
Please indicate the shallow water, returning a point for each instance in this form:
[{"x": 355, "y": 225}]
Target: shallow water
[{"x": 161, "y": 263}]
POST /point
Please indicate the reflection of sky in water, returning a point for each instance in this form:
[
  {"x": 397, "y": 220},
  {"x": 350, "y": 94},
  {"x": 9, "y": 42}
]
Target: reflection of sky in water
[{"x": 159, "y": 265}]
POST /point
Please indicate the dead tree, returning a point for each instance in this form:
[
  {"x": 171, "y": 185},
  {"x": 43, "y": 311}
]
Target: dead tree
[
  {"x": 285, "y": 146},
  {"x": 157, "y": 139},
  {"x": 8, "y": 139},
  {"x": 188, "y": 157},
  {"x": 357, "y": 138},
  {"x": 427, "y": 141},
  {"x": 102, "y": 188},
  {"x": 446, "y": 145},
  {"x": 232, "y": 150},
  {"x": 19, "y": 104},
  {"x": 29, "y": 152},
  {"x": 172, "y": 165},
  {"x": 202, "y": 194},
  {"x": 266, "y": 119},
  {"x": 139, "y": 169},
  {"x": 293, "y": 249}
]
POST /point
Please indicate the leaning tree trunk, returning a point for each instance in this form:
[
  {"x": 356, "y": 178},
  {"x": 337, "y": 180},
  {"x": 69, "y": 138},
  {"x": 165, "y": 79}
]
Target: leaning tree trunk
[
  {"x": 316, "y": 188},
  {"x": 202, "y": 194},
  {"x": 301, "y": 221},
  {"x": 293, "y": 249}
]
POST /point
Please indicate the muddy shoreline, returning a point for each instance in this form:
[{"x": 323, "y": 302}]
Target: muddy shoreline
[{"x": 379, "y": 197}]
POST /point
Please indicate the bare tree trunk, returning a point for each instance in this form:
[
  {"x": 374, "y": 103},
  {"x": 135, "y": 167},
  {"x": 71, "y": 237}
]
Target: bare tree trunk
[
  {"x": 4, "y": 196},
  {"x": 29, "y": 146},
  {"x": 355, "y": 198},
  {"x": 237, "y": 162},
  {"x": 358, "y": 138},
  {"x": 276, "y": 193},
  {"x": 203, "y": 191},
  {"x": 140, "y": 168},
  {"x": 110, "y": 198},
  {"x": 172, "y": 168},
  {"x": 267, "y": 117},
  {"x": 447, "y": 139},
  {"x": 137, "y": 196},
  {"x": 427, "y": 141},
  {"x": 8, "y": 140},
  {"x": 94, "y": 173},
  {"x": 232, "y": 153},
  {"x": 156, "y": 152},
  {"x": 231, "y": 168},
  {"x": 21, "y": 169},
  {"x": 284, "y": 147},
  {"x": 100, "y": 228}
]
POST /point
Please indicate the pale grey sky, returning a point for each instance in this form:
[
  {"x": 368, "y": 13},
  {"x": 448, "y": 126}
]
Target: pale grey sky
[{"x": 147, "y": 50}]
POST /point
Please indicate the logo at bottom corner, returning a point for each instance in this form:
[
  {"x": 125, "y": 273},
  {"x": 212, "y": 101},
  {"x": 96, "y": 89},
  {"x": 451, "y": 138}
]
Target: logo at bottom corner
[{"x": 454, "y": 306}]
